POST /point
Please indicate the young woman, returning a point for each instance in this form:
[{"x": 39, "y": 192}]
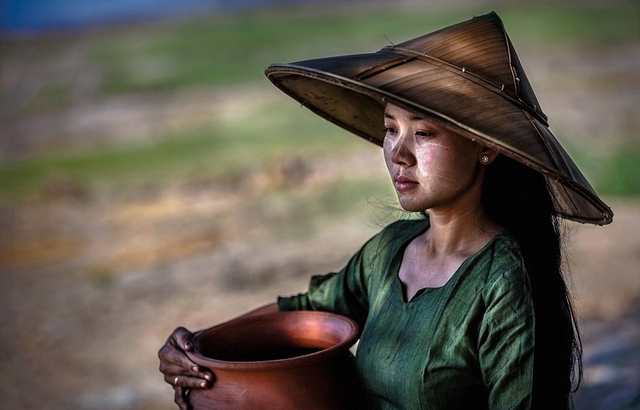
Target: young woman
[{"x": 466, "y": 307}]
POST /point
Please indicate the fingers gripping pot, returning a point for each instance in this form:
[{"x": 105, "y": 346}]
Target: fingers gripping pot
[{"x": 285, "y": 360}]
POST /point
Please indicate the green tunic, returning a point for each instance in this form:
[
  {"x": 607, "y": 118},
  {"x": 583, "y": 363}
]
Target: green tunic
[{"x": 465, "y": 345}]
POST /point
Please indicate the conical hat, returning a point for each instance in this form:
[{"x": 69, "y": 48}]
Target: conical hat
[{"x": 467, "y": 77}]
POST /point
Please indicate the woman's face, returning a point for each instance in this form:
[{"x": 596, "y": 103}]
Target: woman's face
[{"x": 431, "y": 167}]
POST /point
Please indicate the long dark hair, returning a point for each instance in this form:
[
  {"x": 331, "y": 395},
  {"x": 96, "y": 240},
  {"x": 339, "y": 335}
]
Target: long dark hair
[{"x": 517, "y": 198}]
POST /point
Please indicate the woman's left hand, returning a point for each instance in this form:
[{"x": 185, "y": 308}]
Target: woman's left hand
[{"x": 180, "y": 372}]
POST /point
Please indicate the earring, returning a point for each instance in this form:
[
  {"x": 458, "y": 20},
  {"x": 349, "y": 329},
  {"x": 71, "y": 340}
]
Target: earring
[{"x": 484, "y": 159}]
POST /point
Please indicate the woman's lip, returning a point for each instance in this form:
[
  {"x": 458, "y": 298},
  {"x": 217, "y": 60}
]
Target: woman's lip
[
  {"x": 404, "y": 184},
  {"x": 404, "y": 179}
]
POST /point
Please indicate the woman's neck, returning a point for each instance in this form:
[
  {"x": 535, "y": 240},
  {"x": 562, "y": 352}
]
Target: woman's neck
[{"x": 458, "y": 232}]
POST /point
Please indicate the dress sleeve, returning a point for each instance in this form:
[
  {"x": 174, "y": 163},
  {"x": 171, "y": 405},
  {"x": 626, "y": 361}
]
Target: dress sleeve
[
  {"x": 343, "y": 292},
  {"x": 506, "y": 340}
]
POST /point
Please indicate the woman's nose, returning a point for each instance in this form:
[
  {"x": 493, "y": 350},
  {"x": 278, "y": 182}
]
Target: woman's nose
[{"x": 402, "y": 153}]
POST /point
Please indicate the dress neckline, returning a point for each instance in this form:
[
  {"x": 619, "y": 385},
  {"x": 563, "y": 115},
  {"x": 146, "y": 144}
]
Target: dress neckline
[{"x": 399, "y": 256}]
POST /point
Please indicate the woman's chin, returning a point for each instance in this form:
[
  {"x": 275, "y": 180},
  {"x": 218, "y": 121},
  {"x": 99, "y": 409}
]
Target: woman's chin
[{"x": 411, "y": 206}]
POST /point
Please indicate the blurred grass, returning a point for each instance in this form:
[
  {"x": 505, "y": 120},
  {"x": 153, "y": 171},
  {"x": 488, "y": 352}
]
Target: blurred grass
[
  {"x": 301, "y": 213},
  {"x": 233, "y": 49},
  {"x": 51, "y": 96},
  {"x": 236, "y": 48},
  {"x": 227, "y": 148},
  {"x": 228, "y": 49},
  {"x": 616, "y": 174},
  {"x": 622, "y": 174}
]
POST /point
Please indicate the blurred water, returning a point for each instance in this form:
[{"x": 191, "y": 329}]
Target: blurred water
[
  {"x": 38, "y": 16},
  {"x": 34, "y": 16}
]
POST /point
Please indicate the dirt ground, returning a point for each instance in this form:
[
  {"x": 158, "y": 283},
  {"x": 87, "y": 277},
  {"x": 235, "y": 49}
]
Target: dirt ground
[{"x": 91, "y": 290}]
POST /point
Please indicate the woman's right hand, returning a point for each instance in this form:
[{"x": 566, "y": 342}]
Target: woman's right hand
[{"x": 178, "y": 370}]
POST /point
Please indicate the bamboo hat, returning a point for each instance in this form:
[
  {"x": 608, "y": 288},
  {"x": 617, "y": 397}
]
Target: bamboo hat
[{"x": 468, "y": 78}]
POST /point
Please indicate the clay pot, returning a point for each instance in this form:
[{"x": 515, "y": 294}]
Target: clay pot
[{"x": 285, "y": 360}]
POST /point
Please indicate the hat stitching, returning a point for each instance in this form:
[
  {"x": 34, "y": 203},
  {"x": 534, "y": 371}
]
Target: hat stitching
[
  {"x": 601, "y": 207},
  {"x": 514, "y": 74},
  {"x": 550, "y": 149},
  {"x": 382, "y": 67},
  {"x": 488, "y": 84}
]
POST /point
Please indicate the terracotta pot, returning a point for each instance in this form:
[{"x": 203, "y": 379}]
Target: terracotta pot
[{"x": 286, "y": 360}]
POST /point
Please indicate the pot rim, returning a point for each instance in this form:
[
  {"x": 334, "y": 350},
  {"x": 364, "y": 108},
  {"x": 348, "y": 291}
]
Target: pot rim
[{"x": 297, "y": 361}]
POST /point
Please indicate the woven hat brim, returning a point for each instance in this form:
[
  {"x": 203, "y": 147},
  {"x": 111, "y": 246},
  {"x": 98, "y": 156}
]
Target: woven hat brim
[{"x": 352, "y": 91}]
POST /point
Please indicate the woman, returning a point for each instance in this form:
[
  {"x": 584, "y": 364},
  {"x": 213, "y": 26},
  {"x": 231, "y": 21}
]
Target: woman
[{"x": 467, "y": 307}]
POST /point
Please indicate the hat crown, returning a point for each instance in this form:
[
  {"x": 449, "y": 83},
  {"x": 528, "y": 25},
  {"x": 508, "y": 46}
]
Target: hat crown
[{"x": 480, "y": 47}]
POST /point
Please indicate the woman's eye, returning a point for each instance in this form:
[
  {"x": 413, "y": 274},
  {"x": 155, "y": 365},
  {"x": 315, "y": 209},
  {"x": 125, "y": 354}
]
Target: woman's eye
[
  {"x": 388, "y": 130},
  {"x": 425, "y": 134}
]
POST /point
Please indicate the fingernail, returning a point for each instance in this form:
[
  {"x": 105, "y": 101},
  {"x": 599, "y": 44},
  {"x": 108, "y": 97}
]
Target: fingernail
[
  {"x": 187, "y": 346},
  {"x": 195, "y": 368},
  {"x": 203, "y": 385},
  {"x": 208, "y": 376}
]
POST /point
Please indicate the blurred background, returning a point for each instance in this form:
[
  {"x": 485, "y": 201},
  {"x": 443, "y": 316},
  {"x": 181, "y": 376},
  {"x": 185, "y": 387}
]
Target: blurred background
[{"x": 151, "y": 176}]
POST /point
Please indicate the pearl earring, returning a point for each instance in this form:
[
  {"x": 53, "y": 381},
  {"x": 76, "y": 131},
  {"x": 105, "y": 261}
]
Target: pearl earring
[{"x": 484, "y": 159}]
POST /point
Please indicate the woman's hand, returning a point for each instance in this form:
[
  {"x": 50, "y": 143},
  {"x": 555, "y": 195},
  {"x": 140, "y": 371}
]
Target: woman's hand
[
  {"x": 178, "y": 370},
  {"x": 183, "y": 374}
]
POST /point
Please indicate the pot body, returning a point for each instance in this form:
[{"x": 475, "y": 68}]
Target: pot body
[{"x": 286, "y": 360}]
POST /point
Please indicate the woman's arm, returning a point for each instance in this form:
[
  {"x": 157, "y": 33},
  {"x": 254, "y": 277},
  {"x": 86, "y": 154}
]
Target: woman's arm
[
  {"x": 344, "y": 292},
  {"x": 506, "y": 341}
]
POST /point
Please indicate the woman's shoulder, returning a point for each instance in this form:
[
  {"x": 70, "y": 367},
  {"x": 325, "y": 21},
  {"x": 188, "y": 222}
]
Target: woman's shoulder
[
  {"x": 405, "y": 227},
  {"x": 395, "y": 234},
  {"x": 401, "y": 230},
  {"x": 505, "y": 268}
]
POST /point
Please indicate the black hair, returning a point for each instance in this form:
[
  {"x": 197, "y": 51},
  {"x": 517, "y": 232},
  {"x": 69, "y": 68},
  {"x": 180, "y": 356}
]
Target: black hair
[{"x": 517, "y": 198}]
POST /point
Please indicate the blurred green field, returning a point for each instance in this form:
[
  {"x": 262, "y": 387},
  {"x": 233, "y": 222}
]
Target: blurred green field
[
  {"x": 237, "y": 48},
  {"x": 614, "y": 174},
  {"x": 233, "y": 49},
  {"x": 224, "y": 150}
]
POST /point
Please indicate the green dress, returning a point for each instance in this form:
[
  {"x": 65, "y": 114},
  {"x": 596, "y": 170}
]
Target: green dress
[{"x": 465, "y": 345}]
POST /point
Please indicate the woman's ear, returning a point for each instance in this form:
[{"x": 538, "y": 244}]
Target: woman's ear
[{"x": 487, "y": 155}]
